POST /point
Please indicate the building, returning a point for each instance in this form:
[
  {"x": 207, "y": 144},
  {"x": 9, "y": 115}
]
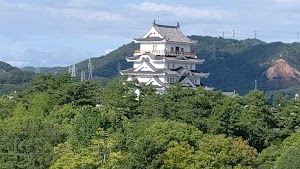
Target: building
[{"x": 165, "y": 57}]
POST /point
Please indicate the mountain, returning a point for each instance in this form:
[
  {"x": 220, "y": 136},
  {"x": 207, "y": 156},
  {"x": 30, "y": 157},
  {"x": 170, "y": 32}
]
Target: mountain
[
  {"x": 13, "y": 79},
  {"x": 232, "y": 64},
  {"x": 5, "y": 67},
  {"x": 51, "y": 70}
]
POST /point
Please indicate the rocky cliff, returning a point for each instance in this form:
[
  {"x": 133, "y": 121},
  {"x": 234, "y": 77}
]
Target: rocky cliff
[{"x": 282, "y": 75}]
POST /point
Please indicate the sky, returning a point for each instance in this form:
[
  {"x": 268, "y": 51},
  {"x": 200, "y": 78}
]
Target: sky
[{"x": 47, "y": 33}]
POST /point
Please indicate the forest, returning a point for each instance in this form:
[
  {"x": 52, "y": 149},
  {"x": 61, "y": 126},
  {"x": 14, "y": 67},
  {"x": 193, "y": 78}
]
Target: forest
[{"x": 59, "y": 123}]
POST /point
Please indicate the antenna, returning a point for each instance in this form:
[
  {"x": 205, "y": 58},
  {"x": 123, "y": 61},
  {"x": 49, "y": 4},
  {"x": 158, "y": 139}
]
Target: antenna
[
  {"x": 255, "y": 84},
  {"x": 255, "y": 34},
  {"x": 158, "y": 19},
  {"x": 223, "y": 35},
  {"x": 90, "y": 69}
]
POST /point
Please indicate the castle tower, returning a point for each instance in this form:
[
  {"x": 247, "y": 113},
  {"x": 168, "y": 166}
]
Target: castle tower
[{"x": 165, "y": 57}]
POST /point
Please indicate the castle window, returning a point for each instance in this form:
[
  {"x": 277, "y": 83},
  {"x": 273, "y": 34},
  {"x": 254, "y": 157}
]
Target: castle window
[
  {"x": 182, "y": 50},
  {"x": 171, "y": 80},
  {"x": 154, "y": 47},
  {"x": 172, "y": 49},
  {"x": 194, "y": 81}
]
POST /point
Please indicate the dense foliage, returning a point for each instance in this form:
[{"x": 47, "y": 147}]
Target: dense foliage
[{"x": 60, "y": 123}]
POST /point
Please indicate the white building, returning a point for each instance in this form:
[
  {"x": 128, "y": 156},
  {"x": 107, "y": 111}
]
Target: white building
[{"x": 165, "y": 57}]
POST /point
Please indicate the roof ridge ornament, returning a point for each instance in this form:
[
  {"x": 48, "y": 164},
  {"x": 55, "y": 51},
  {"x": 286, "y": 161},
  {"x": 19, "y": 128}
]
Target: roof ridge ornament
[
  {"x": 178, "y": 25},
  {"x": 154, "y": 22}
]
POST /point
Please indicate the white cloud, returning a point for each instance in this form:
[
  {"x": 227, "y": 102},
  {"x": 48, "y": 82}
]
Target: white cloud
[
  {"x": 182, "y": 11},
  {"x": 84, "y": 15},
  {"x": 83, "y": 3}
]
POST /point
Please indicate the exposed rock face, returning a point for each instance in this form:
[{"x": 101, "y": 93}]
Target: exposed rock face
[{"x": 282, "y": 75}]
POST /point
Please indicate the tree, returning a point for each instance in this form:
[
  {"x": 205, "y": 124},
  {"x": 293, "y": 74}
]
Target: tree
[
  {"x": 256, "y": 121},
  {"x": 289, "y": 159}
]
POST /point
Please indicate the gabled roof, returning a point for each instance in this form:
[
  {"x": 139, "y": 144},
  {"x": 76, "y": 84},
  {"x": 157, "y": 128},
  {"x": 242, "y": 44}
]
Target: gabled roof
[
  {"x": 155, "y": 79},
  {"x": 185, "y": 80},
  {"x": 146, "y": 63}
]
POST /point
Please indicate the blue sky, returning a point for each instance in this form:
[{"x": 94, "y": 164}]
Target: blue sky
[{"x": 62, "y": 32}]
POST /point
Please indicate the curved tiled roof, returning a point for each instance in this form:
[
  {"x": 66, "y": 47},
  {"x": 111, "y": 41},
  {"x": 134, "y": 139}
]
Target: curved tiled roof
[{"x": 172, "y": 33}]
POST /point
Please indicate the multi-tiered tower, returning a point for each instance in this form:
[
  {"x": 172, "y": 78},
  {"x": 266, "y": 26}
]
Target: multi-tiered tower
[{"x": 165, "y": 57}]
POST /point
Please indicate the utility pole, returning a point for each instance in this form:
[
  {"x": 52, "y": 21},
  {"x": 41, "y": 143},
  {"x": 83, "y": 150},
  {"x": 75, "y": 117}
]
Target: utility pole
[{"x": 90, "y": 67}]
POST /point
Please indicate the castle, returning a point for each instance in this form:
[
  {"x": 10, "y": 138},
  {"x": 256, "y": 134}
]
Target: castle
[{"x": 165, "y": 57}]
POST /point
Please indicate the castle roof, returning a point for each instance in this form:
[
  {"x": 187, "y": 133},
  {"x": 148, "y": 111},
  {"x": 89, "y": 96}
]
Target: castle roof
[
  {"x": 172, "y": 33},
  {"x": 180, "y": 58},
  {"x": 167, "y": 33},
  {"x": 172, "y": 72}
]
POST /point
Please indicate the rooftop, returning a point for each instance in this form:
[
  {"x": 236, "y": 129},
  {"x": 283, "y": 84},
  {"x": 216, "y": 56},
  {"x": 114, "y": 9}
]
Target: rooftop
[{"x": 169, "y": 34}]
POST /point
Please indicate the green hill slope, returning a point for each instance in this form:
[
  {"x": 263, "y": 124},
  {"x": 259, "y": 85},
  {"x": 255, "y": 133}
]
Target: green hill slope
[
  {"x": 13, "y": 79},
  {"x": 232, "y": 64}
]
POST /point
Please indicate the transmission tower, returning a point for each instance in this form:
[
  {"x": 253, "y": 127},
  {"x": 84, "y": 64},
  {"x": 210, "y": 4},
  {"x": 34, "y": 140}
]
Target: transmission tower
[
  {"x": 255, "y": 34},
  {"x": 83, "y": 77},
  {"x": 119, "y": 67},
  {"x": 90, "y": 69},
  {"x": 37, "y": 70},
  {"x": 233, "y": 34},
  {"x": 73, "y": 70}
]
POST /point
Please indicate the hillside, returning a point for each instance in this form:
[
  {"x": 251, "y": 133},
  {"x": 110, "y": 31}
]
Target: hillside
[
  {"x": 232, "y": 64},
  {"x": 13, "y": 79},
  {"x": 51, "y": 70}
]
